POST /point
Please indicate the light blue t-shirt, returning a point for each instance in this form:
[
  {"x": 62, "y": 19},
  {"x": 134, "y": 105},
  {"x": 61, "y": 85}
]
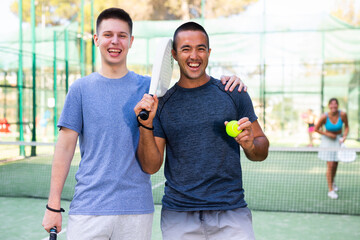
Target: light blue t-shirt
[
  {"x": 110, "y": 180},
  {"x": 202, "y": 165}
]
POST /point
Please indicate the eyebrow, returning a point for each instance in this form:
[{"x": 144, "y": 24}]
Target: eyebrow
[
  {"x": 188, "y": 46},
  {"x": 109, "y": 31}
]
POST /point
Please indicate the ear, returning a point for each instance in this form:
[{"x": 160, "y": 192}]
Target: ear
[
  {"x": 209, "y": 51},
  {"x": 173, "y": 53},
  {"x": 131, "y": 41},
  {"x": 96, "y": 40}
]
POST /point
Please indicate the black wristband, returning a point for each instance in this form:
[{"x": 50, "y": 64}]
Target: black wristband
[
  {"x": 141, "y": 125},
  {"x": 54, "y": 210}
]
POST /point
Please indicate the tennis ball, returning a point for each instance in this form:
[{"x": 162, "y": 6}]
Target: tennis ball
[{"x": 232, "y": 128}]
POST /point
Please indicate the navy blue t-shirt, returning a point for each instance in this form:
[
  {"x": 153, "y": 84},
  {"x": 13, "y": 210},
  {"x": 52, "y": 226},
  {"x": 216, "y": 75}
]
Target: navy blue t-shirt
[{"x": 202, "y": 165}]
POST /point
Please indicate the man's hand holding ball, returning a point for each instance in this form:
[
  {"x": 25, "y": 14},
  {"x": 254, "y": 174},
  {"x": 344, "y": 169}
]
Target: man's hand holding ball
[{"x": 241, "y": 131}]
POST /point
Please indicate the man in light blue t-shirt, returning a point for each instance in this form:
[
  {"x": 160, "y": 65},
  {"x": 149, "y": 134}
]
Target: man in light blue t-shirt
[
  {"x": 204, "y": 195},
  {"x": 113, "y": 198}
]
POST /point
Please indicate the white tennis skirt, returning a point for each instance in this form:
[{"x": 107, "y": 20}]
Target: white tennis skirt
[{"x": 327, "y": 142}]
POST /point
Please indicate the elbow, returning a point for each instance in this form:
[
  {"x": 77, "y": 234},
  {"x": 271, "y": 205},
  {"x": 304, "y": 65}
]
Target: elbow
[
  {"x": 150, "y": 170},
  {"x": 257, "y": 156},
  {"x": 261, "y": 157},
  {"x": 317, "y": 128},
  {"x": 263, "y": 151},
  {"x": 151, "y": 167}
]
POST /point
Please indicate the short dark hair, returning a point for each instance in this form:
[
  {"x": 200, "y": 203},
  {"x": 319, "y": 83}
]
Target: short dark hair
[
  {"x": 190, "y": 26},
  {"x": 334, "y": 99},
  {"x": 116, "y": 13}
]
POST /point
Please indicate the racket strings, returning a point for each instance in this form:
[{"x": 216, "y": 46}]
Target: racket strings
[{"x": 166, "y": 70}]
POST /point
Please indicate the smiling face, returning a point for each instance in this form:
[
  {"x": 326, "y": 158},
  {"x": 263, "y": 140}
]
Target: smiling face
[
  {"x": 333, "y": 106},
  {"x": 192, "y": 54},
  {"x": 113, "y": 39}
]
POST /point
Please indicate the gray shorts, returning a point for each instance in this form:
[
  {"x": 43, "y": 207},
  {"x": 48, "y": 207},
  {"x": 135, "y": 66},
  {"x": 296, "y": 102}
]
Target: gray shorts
[
  {"x": 209, "y": 225},
  {"x": 124, "y": 227}
]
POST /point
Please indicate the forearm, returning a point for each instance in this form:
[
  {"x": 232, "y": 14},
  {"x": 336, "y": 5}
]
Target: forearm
[
  {"x": 327, "y": 133},
  {"x": 346, "y": 132},
  {"x": 320, "y": 123},
  {"x": 148, "y": 153},
  {"x": 60, "y": 169},
  {"x": 259, "y": 150},
  {"x": 63, "y": 155},
  {"x": 319, "y": 131}
]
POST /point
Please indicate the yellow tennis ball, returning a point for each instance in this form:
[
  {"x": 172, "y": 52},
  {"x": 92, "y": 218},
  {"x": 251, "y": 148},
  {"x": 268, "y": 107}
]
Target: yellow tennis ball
[{"x": 232, "y": 128}]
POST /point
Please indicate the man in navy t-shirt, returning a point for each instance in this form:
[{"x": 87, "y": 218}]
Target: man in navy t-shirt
[{"x": 204, "y": 196}]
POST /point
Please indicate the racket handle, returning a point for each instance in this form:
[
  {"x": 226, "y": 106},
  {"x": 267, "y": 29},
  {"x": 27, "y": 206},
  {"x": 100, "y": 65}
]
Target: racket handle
[
  {"x": 144, "y": 115},
  {"x": 53, "y": 234}
]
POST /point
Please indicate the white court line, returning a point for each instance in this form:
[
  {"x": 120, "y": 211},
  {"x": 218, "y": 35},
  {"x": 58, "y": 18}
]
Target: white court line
[
  {"x": 158, "y": 185},
  {"x": 62, "y": 231}
]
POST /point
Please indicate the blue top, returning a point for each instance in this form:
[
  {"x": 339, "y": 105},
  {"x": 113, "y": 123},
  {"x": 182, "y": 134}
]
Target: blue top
[
  {"x": 202, "y": 165},
  {"x": 110, "y": 180},
  {"x": 331, "y": 126}
]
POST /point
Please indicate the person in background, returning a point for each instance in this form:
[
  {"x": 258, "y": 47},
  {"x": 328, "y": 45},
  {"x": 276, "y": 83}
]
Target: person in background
[
  {"x": 332, "y": 137},
  {"x": 310, "y": 118}
]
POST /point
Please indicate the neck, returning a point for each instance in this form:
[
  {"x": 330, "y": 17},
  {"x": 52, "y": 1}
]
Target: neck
[
  {"x": 334, "y": 113},
  {"x": 185, "y": 82},
  {"x": 113, "y": 71}
]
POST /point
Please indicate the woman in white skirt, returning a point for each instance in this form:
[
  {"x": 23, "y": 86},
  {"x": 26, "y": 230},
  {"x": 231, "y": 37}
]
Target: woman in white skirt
[{"x": 332, "y": 137}]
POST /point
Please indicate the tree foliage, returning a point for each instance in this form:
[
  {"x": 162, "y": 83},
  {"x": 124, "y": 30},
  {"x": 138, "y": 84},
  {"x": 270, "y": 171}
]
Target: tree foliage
[
  {"x": 57, "y": 12},
  {"x": 49, "y": 12},
  {"x": 347, "y": 11}
]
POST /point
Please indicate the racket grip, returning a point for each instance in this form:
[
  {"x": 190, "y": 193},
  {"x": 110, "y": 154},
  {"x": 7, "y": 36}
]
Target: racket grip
[
  {"x": 53, "y": 234},
  {"x": 144, "y": 115}
]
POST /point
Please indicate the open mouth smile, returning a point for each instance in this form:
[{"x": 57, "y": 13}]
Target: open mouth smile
[
  {"x": 193, "y": 65},
  {"x": 114, "y": 51}
]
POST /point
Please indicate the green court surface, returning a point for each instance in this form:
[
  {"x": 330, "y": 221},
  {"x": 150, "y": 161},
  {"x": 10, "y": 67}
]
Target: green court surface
[
  {"x": 287, "y": 194},
  {"x": 21, "y": 218}
]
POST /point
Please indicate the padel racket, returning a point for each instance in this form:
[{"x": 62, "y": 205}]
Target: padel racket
[
  {"x": 161, "y": 72},
  {"x": 346, "y": 155},
  {"x": 53, "y": 234}
]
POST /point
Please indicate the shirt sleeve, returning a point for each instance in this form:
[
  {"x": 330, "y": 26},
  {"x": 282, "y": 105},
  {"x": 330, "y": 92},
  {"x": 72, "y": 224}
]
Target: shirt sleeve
[
  {"x": 158, "y": 129},
  {"x": 245, "y": 106},
  {"x": 71, "y": 115}
]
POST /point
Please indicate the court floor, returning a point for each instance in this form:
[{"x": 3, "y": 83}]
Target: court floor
[{"x": 20, "y": 218}]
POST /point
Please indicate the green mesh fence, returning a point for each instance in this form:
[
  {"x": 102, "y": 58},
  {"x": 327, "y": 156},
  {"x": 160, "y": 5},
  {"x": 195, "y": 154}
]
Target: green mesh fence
[
  {"x": 290, "y": 65},
  {"x": 290, "y": 179}
]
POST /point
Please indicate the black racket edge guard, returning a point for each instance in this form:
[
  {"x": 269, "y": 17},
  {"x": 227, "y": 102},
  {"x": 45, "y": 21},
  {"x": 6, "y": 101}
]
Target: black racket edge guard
[
  {"x": 53, "y": 233},
  {"x": 144, "y": 115}
]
